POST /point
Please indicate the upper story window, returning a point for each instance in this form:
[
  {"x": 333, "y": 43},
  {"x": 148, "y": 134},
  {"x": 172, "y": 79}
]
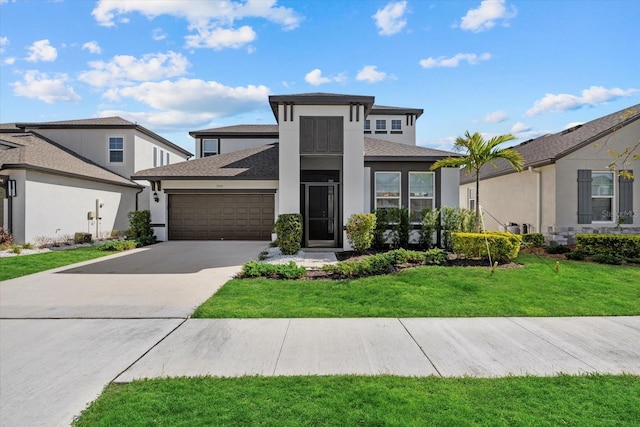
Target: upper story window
[
  {"x": 161, "y": 158},
  {"x": 387, "y": 190},
  {"x": 381, "y": 124},
  {"x": 209, "y": 147},
  {"x": 367, "y": 125},
  {"x": 155, "y": 156},
  {"x": 168, "y": 158},
  {"x": 396, "y": 124},
  {"x": 602, "y": 193},
  {"x": 421, "y": 193},
  {"x": 116, "y": 149}
]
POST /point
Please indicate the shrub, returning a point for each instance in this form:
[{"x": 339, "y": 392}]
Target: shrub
[
  {"x": 577, "y": 255},
  {"x": 379, "y": 232},
  {"x": 272, "y": 271},
  {"x": 456, "y": 220},
  {"x": 140, "y": 228},
  {"x": 118, "y": 245},
  {"x": 401, "y": 227},
  {"x": 289, "y": 230},
  {"x": 27, "y": 246},
  {"x": 555, "y": 249},
  {"x": 534, "y": 240},
  {"x": 16, "y": 249},
  {"x": 620, "y": 244},
  {"x": 80, "y": 238},
  {"x": 436, "y": 257},
  {"x": 503, "y": 247},
  {"x": 360, "y": 229},
  {"x": 612, "y": 259},
  {"x": 428, "y": 227},
  {"x": 6, "y": 239}
]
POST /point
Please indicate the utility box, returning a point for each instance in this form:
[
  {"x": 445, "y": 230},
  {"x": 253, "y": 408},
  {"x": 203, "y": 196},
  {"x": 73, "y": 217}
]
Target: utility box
[{"x": 91, "y": 215}]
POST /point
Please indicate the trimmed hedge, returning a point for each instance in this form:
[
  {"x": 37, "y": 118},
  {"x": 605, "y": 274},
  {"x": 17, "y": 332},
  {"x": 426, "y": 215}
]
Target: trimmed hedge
[
  {"x": 272, "y": 271},
  {"x": 624, "y": 245},
  {"x": 359, "y": 229},
  {"x": 289, "y": 231},
  {"x": 118, "y": 245},
  {"x": 503, "y": 247},
  {"x": 535, "y": 240}
]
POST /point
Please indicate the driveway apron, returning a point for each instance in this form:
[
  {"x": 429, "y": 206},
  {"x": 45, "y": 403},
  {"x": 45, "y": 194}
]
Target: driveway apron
[{"x": 66, "y": 333}]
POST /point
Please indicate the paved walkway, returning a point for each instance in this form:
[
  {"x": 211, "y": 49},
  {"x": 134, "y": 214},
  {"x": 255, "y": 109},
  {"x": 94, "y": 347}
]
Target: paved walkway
[{"x": 68, "y": 332}]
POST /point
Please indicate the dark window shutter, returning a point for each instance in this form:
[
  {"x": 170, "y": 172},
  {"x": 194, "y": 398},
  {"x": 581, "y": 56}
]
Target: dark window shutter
[
  {"x": 585, "y": 211},
  {"x": 625, "y": 201}
]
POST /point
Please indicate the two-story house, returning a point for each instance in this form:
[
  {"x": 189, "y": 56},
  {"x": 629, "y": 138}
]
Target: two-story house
[
  {"x": 328, "y": 157},
  {"x": 62, "y": 177}
]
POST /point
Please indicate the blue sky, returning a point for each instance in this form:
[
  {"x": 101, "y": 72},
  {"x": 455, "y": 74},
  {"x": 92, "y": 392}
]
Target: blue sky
[{"x": 492, "y": 66}]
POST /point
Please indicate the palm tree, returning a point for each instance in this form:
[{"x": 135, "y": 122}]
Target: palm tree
[{"x": 478, "y": 153}]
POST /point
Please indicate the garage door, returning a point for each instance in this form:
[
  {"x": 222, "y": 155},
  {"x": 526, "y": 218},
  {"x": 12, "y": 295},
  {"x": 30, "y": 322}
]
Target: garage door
[{"x": 221, "y": 216}]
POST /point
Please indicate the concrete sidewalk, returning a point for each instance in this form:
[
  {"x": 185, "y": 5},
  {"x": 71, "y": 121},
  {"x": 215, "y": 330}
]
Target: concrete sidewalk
[{"x": 479, "y": 347}]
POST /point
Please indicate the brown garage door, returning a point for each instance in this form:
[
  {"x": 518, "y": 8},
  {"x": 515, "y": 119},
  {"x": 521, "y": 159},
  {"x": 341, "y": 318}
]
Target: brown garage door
[{"x": 220, "y": 216}]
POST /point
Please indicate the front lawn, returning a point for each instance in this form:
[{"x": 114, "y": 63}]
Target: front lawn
[
  {"x": 17, "y": 266},
  {"x": 369, "y": 401},
  {"x": 579, "y": 289}
]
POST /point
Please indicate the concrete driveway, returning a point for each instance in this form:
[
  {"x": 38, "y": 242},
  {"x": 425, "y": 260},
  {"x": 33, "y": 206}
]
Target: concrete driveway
[{"x": 68, "y": 332}]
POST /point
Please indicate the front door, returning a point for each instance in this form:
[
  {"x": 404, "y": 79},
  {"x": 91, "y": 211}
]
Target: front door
[{"x": 321, "y": 214}]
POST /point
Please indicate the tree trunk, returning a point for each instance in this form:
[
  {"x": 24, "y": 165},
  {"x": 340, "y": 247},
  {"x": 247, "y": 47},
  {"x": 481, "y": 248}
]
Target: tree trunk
[{"x": 477, "y": 200}]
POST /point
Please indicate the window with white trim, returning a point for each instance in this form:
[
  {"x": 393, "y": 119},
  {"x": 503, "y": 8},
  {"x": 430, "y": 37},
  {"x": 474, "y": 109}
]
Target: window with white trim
[
  {"x": 396, "y": 124},
  {"x": 421, "y": 194},
  {"x": 155, "y": 157},
  {"x": 602, "y": 196},
  {"x": 209, "y": 147},
  {"x": 161, "y": 158},
  {"x": 471, "y": 199},
  {"x": 168, "y": 157},
  {"x": 116, "y": 149},
  {"x": 387, "y": 190},
  {"x": 381, "y": 124}
]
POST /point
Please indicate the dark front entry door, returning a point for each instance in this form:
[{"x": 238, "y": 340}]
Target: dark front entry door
[{"x": 321, "y": 214}]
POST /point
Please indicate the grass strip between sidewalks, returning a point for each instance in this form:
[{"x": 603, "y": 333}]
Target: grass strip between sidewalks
[
  {"x": 17, "y": 266},
  {"x": 369, "y": 401},
  {"x": 579, "y": 289}
]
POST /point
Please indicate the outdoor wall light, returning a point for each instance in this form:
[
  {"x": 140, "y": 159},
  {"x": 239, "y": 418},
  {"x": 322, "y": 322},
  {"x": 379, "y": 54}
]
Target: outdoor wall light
[{"x": 155, "y": 196}]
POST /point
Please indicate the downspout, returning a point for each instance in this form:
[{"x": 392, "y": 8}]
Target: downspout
[
  {"x": 538, "y": 199},
  {"x": 137, "y": 194}
]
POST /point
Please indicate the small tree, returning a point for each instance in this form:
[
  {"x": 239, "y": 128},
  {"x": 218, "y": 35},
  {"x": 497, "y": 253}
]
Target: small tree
[
  {"x": 289, "y": 230},
  {"x": 478, "y": 153},
  {"x": 401, "y": 227},
  {"x": 379, "y": 233},
  {"x": 429, "y": 225},
  {"x": 140, "y": 228},
  {"x": 360, "y": 229}
]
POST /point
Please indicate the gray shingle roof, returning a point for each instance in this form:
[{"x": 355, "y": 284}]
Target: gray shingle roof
[
  {"x": 384, "y": 109},
  {"x": 102, "y": 122},
  {"x": 380, "y": 150},
  {"x": 252, "y": 163},
  {"x": 257, "y": 130},
  {"x": 35, "y": 152},
  {"x": 549, "y": 148}
]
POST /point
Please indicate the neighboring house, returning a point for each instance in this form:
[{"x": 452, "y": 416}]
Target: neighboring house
[
  {"x": 566, "y": 187},
  {"x": 316, "y": 161},
  {"x": 59, "y": 178}
]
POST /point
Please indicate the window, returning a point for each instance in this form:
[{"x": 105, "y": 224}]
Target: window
[
  {"x": 471, "y": 199},
  {"x": 396, "y": 124},
  {"x": 367, "y": 125},
  {"x": 381, "y": 125},
  {"x": 161, "y": 158},
  {"x": 602, "y": 196},
  {"x": 168, "y": 158},
  {"x": 387, "y": 190},
  {"x": 116, "y": 149},
  {"x": 209, "y": 147},
  {"x": 421, "y": 194},
  {"x": 155, "y": 157}
]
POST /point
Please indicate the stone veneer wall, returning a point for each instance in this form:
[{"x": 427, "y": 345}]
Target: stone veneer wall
[{"x": 567, "y": 235}]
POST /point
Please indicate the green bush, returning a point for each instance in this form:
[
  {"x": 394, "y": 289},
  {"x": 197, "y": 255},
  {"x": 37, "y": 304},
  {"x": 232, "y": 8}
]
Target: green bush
[
  {"x": 400, "y": 228},
  {"x": 503, "y": 247},
  {"x": 140, "y": 228},
  {"x": 534, "y": 240},
  {"x": 379, "y": 232},
  {"x": 428, "y": 227},
  {"x": 456, "y": 220},
  {"x": 577, "y": 255},
  {"x": 612, "y": 259},
  {"x": 556, "y": 249},
  {"x": 436, "y": 257},
  {"x": 272, "y": 271},
  {"x": 624, "y": 245},
  {"x": 118, "y": 245},
  {"x": 360, "y": 229},
  {"x": 289, "y": 230}
]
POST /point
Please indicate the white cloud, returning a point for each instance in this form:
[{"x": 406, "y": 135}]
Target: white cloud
[
  {"x": 4, "y": 41},
  {"x": 370, "y": 73},
  {"x": 158, "y": 34},
  {"x": 162, "y": 120},
  {"x": 445, "y": 143},
  {"x": 48, "y": 89},
  {"x": 92, "y": 47},
  {"x": 10, "y": 60},
  {"x": 221, "y": 38},
  {"x": 315, "y": 78},
  {"x": 41, "y": 50},
  {"x": 125, "y": 69},
  {"x": 195, "y": 96},
  {"x": 595, "y": 95},
  {"x": 485, "y": 16},
  {"x": 519, "y": 128},
  {"x": 455, "y": 60},
  {"x": 212, "y": 22},
  {"x": 390, "y": 20},
  {"x": 495, "y": 117}
]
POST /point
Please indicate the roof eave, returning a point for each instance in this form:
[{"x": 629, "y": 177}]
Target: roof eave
[
  {"x": 9, "y": 166},
  {"x": 202, "y": 178}
]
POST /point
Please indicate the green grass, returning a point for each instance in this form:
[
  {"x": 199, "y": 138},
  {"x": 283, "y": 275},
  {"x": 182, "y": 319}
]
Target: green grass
[
  {"x": 12, "y": 267},
  {"x": 370, "y": 401},
  {"x": 579, "y": 289}
]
